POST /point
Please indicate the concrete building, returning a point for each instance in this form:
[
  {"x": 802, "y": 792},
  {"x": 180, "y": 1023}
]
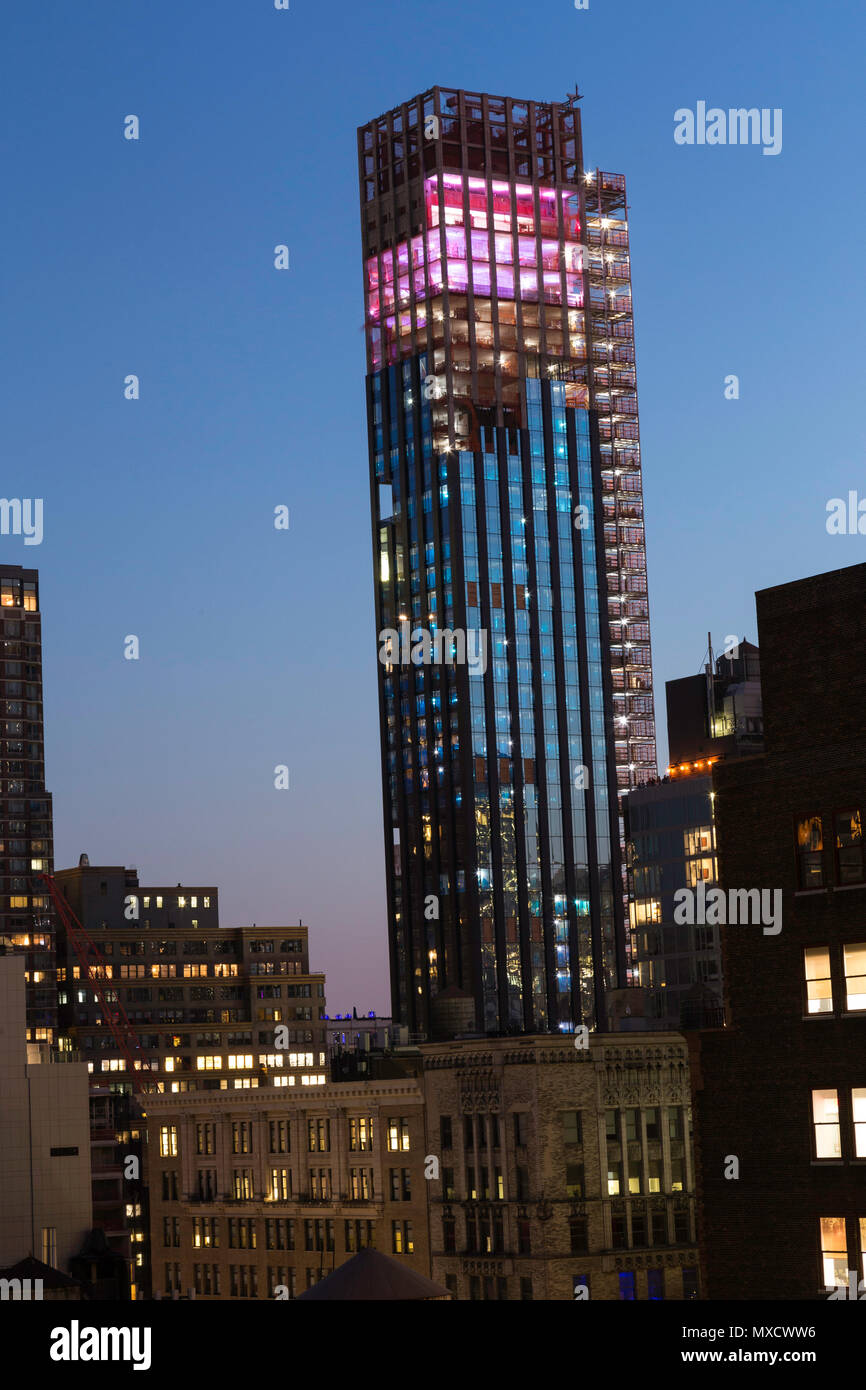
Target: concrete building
[
  {"x": 256, "y": 1191},
  {"x": 45, "y": 1210},
  {"x": 565, "y": 1173},
  {"x": 780, "y": 1094}
]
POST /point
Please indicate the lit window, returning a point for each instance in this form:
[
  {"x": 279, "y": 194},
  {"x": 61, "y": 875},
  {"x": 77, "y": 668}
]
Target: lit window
[
  {"x": 361, "y": 1132},
  {"x": 834, "y": 1251},
  {"x": 825, "y": 1116},
  {"x": 168, "y": 1141},
  {"x": 654, "y": 1178},
  {"x": 242, "y": 1186},
  {"x": 49, "y": 1245},
  {"x": 402, "y": 1238},
  {"x": 855, "y": 976},
  {"x": 698, "y": 840},
  {"x": 700, "y": 870},
  {"x": 159, "y": 902},
  {"x": 271, "y": 1059},
  {"x": 242, "y": 1137},
  {"x": 858, "y": 1106},
  {"x": 281, "y": 1184},
  {"x": 810, "y": 845},
  {"x": 819, "y": 990},
  {"x": 398, "y": 1133}
]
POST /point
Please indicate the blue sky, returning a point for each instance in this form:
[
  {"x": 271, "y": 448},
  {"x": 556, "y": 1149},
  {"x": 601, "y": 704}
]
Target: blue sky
[{"x": 156, "y": 258}]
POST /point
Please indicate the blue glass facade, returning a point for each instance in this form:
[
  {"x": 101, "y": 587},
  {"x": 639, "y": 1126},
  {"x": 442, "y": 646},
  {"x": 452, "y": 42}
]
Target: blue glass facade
[{"x": 490, "y": 475}]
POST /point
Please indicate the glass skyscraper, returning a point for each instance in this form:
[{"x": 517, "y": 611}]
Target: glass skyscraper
[{"x": 510, "y": 575}]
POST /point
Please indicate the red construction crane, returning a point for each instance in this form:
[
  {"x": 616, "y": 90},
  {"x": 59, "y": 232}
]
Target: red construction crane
[{"x": 93, "y": 972}]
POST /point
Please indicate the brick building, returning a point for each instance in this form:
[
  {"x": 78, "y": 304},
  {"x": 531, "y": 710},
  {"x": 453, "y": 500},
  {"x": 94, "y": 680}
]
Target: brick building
[{"x": 780, "y": 1095}]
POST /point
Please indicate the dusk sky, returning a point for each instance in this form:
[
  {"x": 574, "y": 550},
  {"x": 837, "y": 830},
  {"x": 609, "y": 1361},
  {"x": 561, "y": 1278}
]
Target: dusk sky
[{"x": 156, "y": 257}]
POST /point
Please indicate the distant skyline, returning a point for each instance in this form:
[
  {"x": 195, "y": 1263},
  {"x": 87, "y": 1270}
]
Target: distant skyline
[{"x": 156, "y": 257}]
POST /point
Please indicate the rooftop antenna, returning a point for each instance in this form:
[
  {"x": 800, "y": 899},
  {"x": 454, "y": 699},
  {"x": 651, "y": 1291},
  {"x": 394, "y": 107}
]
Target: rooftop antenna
[{"x": 711, "y": 696}]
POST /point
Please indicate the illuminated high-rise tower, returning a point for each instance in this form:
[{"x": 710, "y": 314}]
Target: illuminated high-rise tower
[
  {"x": 507, "y": 513},
  {"x": 26, "y": 841}
]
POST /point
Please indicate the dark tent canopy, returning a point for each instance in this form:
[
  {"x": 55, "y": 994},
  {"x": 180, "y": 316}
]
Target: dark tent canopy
[
  {"x": 31, "y": 1268},
  {"x": 372, "y": 1275}
]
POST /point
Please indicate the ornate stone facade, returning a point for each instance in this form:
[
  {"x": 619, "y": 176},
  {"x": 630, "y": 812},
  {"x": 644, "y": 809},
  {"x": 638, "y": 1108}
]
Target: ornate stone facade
[{"x": 559, "y": 1165}]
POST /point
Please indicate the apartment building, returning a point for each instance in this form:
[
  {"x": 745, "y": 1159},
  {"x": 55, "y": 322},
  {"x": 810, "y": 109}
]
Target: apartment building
[{"x": 260, "y": 1193}]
